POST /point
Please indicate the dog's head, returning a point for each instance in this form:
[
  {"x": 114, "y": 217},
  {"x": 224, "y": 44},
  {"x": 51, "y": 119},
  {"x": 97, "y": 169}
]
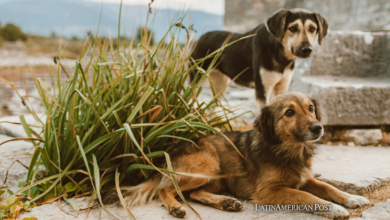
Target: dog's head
[
  {"x": 296, "y": 29},
  {"x": 290, "y": 118}
]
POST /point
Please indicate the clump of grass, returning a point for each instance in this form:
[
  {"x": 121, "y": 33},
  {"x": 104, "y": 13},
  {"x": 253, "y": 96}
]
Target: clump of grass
[
  {"x": 113, "y": 122},
  {"x": 11, "y": 32}
]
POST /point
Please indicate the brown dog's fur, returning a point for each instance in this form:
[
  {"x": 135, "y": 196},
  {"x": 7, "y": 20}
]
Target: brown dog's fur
[{"x": 277, "y": 169}]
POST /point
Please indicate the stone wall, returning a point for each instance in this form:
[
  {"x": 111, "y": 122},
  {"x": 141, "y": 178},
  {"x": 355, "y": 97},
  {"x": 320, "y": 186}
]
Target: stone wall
[
  {"x": 353, "y": 54},
  {"x": 363, "y": 15}
]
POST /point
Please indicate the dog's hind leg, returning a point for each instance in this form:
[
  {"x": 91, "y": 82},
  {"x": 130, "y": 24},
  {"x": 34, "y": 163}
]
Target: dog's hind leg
[
  {"x": 202, "y": 162},
  {"x": 207, "y": 196},
  {"x": 219, "y": 82},
  {"x": 167, "y": 195}
]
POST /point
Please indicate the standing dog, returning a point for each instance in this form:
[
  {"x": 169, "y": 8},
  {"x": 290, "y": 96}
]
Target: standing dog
[
  {"x": 267, "y": 58},
  {"x": 277, "y": 169}
]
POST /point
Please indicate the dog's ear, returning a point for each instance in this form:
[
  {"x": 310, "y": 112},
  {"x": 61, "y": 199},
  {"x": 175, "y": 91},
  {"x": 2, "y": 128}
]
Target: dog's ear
[
  {"x": 317, "y": 110},
  {"x": 265, "y": 125},
  {"x": 322, "y": 27},
  {"x": 276, "y": 24}
]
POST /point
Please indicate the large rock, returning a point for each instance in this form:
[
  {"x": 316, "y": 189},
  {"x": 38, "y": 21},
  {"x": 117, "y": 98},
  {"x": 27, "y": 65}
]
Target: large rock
[
  {"x": 380, "y": 211},
  {"x": 349, "y": 74}
]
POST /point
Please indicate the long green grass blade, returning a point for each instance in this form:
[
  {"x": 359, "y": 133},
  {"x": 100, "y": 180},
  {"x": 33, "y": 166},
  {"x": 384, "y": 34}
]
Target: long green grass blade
[{"x": 118, "y": 190}]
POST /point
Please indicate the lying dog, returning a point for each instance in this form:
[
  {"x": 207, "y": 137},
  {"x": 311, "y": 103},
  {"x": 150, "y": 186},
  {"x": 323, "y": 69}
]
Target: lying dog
[
  {"x": 267, "y": 58},
  {"x": 277, "y": 170}
]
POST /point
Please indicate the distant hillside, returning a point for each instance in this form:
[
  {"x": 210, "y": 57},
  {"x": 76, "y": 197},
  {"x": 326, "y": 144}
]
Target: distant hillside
[{"x": 42, "y": 17}]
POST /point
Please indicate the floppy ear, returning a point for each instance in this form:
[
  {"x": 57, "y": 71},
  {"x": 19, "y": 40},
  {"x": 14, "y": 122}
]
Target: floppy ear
[
  {"x": 317, "y": 110},
  {"x": 322, "y": 27},
  {"x": 265, "y": 124},
  {"x": 276, "y": 24}
]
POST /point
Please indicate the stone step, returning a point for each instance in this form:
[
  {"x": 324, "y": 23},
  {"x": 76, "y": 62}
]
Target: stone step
[
  {"x": 356, "y": 170},
  {"x": 380, "y": 211},
  {"x": 355, "y": 54},
  {"x": 349, "y": 74},
  {"x": 349, "y": 101}
]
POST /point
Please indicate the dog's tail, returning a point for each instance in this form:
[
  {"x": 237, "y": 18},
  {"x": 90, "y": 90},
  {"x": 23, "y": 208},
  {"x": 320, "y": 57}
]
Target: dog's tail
[
  {"x": 142, "y": 193},
  {"x": 137, "y": 195}
]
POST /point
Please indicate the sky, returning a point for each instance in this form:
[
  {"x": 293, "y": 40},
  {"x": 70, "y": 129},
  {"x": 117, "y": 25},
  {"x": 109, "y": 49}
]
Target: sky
[{"x": 210, "y": 6}]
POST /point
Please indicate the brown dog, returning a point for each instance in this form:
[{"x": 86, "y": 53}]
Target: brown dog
[{"x": 277, "y": 170}]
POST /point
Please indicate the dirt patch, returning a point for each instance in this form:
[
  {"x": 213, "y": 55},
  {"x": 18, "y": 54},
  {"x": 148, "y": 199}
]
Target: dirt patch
[
  {"x": 16, "y": 74},
  {"x": 379, "y": 195}
]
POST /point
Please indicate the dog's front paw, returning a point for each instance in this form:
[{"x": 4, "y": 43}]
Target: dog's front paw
[
  {"x": 178, "y": 211},
  {"x": 232, "y": 205},
  {"x": 339, "y": 212},
  {"x": 355, "y": 201}
]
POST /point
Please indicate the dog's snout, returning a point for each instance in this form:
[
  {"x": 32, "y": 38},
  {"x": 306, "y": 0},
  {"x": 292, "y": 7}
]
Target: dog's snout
[
  {"x": 306, "y": 49},
  {"x": 316, "y": 129}
]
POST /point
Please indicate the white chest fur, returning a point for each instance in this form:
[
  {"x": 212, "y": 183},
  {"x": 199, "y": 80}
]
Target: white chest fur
[{"x": 275, "y": 82}]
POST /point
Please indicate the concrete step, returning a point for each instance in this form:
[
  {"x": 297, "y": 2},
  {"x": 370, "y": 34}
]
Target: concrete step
[
  {"x": 349, "y": 74},
  {"x": 348, "y": 101}
]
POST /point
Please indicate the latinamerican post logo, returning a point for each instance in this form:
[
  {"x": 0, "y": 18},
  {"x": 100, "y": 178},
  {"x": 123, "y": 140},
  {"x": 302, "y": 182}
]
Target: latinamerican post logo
[
  {"x": 322, "y": 208},
  {"x": 316, "y": 208}
]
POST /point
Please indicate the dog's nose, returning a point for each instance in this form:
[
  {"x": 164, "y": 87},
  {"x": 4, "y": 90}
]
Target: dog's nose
[
  {"x": 316, "y": 129},
  {"x": 306, "y": 50}
]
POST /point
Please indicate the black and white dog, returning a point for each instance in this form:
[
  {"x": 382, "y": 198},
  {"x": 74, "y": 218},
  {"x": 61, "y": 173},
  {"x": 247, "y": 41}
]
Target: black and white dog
[{"x": 267, "y": 57}]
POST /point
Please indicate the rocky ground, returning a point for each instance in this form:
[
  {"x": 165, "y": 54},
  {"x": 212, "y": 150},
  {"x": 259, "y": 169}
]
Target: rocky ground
[{"x": 357, "y": 170}]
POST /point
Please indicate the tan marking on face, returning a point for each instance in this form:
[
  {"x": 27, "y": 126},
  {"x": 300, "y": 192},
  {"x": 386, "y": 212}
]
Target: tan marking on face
[
  {"x": 310, "y": 35},
  {"x": 289, "y": 40},
  {"x": 293, "y": 41}
]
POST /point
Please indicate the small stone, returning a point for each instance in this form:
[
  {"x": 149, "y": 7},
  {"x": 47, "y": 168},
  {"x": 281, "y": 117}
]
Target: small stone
[
  {"x": 351, "y": 144},
  {"x": 364, "y": 136}
]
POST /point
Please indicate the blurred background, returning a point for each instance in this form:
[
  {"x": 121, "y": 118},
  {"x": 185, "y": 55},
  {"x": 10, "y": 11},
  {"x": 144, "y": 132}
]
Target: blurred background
[
  {"x": 349, "y": 73},
  {"x": 73, "y": 19}
]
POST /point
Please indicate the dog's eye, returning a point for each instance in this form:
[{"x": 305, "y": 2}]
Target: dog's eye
[
  {"x": 293, "y": 29},
  {"x": 289, "y": 113},
  {"x": 312, "y": 29},
  {"x": 311, "y": 108}
]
